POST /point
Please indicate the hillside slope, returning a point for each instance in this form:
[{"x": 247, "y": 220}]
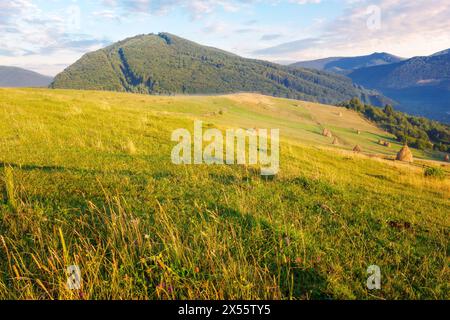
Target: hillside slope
[
  {"x": 87, "y": 180},
  {"x": 12, "y": 77},
  {"x": 166, "y": 64}
]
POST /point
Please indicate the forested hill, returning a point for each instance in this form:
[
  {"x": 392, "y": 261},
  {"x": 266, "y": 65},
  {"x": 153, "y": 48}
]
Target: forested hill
[
  {"x": 420, "y": 85},
  {"x": 167, "y": 64},
  {"x": 13, "y": 77},
  {"x": 418, "y": 132}
]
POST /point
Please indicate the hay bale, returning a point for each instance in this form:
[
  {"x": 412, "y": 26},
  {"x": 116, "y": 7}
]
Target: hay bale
[
  {"x": 405, "y": 155},
  {"x": 336, "y": 141},
  {"x": 357, "y": 148},
  {"x": 130, "y": 148},
  {"x": 327, "y": 133}
]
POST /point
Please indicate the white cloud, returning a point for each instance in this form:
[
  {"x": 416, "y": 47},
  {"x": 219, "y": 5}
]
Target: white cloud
[
  {"x": 405, "y": 28},
  {"x": 31, "y": 37},
  {"x": 34, "y": 37},
  {"x": 196, "y": 8}
]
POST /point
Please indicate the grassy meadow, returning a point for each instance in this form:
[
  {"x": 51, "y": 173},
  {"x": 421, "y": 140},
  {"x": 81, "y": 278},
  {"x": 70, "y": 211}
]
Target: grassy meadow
[{"x": 86, "y": 179}]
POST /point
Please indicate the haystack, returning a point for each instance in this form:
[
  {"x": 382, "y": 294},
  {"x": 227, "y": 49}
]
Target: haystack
[
  {"x": 384, "y": 143},
  {"x": 405, "y": 155},
  {"x": 336, "y": 141},
  {"x": 357, "y": 148},
  {"x": 327, "y": 133},
  {"x": 447, "y": 158}
]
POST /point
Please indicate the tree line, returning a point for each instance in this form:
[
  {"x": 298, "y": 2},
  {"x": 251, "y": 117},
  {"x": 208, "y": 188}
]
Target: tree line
[{"x": 418, "y": 132}]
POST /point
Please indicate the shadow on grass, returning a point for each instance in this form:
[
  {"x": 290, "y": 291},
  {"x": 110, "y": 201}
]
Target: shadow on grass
[
  {"x": 30, "y": 167},
  {"x": 314, "y": 185},
  {"x": 76, "y": 187},
  {"x": 224, "y": 179},
  {"x": 380, "y": 177},
  {"x": 295, "y": 282},
  {"x": 308, "y": 283},
  {"x": 61, "y": 169}
]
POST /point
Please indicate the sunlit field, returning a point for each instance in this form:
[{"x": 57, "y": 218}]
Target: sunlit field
[{"x": 86, "y": 179}]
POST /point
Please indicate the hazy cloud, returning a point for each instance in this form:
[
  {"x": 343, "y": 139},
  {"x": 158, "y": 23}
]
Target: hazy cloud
[
  {"x": 290, "y": 46},
  {"x": 196, "y": 8},
  {"x": 270, "y": 37},
  {"x": 389, "y": 25},
  {"x": 29, "y": 34}
]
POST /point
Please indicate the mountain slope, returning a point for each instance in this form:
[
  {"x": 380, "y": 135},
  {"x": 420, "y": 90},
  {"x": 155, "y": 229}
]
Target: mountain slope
[
  {"x": 346, "y": 65},
  {"x": 441, "y": 52},
  {"x": 166, "y": 64},
  {"x": 12, "y": 77},
  {"x": 421, "y": 85}
]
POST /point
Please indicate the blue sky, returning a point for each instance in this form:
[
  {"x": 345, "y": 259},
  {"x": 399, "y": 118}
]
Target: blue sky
[{"x": 46, "y": 36}]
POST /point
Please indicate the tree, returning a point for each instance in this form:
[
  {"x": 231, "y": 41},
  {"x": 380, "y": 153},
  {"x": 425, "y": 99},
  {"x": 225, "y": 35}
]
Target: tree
[
  {"x": 389, "y": 110},
  {"x": 356, "y": 104},
  {"x": 420, "y": 132}
]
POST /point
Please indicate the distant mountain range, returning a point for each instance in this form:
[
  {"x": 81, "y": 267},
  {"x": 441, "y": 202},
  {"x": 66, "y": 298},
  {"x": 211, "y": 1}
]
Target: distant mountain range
[
  {"x": 166, "y": 64},
  {"x": 12, "y": 77},
  {"x": 345, "y": 66},
  {"x": 420, "y": 85},
  {"x": 441, "y": 52}
]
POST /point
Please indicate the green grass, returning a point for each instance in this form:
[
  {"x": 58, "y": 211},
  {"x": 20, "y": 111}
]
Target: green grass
[{"x": 86, "y": 179}]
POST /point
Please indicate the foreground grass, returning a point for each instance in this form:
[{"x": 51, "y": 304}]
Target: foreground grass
[{"x": 86, "y": 179}]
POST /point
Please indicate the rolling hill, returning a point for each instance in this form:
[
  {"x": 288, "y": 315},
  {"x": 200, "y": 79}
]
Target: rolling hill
[
  {"x": 420, "y": 85},
  {"x": 345, "y": 65},
  {"x": 167, "y": 64},
  {"x": 12, "y": 77},
  {"x": 86, "y": 179}
]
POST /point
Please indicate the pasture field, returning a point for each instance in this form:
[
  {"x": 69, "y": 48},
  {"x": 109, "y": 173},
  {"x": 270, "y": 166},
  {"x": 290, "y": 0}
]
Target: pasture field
[{"x": 86, "y": 179}]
